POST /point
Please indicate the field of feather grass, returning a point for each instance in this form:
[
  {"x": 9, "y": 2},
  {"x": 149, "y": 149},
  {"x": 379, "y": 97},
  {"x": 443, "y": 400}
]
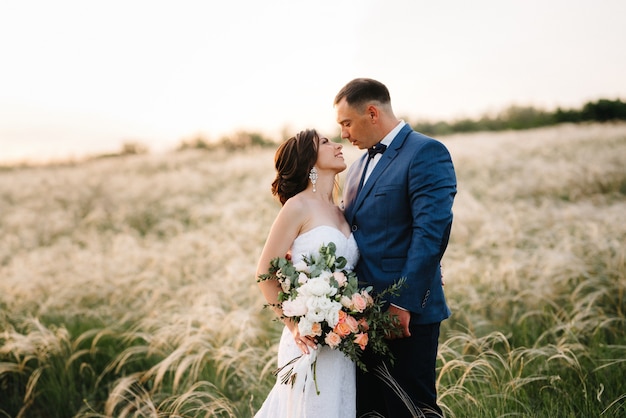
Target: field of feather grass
[{"x": 127, "y": 284}]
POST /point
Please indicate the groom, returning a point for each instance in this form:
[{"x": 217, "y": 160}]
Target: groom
[{"x": 398, "y": 200}]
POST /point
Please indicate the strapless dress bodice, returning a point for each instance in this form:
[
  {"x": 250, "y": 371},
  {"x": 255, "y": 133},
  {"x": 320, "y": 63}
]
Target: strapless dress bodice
[{"x": 310, "y": 242}]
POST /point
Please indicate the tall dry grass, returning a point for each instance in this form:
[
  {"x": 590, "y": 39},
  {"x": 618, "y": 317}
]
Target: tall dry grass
[{"x": 127, "y": 288}]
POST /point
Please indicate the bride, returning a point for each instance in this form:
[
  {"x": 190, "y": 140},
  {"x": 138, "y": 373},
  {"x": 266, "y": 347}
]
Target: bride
[{"x": 307, "y": 165}]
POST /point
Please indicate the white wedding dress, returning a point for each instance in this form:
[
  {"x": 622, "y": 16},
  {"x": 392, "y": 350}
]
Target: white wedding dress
[{"x": 335, "y": 373}]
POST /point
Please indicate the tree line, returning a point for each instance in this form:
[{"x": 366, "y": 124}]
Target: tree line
[
  {"x": 527, "y": 117},
  {"x": 513, "y": 117}
]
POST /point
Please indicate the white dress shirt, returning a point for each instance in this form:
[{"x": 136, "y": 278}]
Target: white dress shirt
[{"x": 386, "y": 141}]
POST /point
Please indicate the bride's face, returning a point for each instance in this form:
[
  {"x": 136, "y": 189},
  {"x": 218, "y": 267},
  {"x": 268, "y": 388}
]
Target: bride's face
[{"x": 329, "y": 155}]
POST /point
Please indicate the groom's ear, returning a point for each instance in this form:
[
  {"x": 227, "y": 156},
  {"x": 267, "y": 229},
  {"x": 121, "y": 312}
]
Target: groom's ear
[{"x": 372, "y": 113}]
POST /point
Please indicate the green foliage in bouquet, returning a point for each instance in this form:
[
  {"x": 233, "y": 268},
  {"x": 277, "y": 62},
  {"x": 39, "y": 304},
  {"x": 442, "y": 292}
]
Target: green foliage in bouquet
[{"x": 328, "y": 303}]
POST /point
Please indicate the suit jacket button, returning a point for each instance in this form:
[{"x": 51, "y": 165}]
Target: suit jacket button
[{"x": 354, "y": 228}]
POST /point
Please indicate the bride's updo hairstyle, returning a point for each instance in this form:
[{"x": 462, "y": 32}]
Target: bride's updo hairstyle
[{"x": 293, "y": 160}]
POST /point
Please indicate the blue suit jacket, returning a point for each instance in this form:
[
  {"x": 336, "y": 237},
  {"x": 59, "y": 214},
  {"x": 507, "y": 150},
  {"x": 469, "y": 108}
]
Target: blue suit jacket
[{"x": 401, "y": 220}]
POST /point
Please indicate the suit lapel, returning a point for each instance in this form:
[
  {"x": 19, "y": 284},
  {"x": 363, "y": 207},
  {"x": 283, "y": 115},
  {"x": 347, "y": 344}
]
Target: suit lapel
[{"x": 388, "y": 156}]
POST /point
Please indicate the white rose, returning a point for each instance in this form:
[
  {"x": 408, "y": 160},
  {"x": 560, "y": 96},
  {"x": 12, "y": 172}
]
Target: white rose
[
  {"x": 302, "y": 267},
  {"x": 325, "y": 275},
  {"x": 315, "y": 315},
  {"x": 302, "y": 278},
  {"x": 332, "y": 314},
  {"x": 316, "y": 287},
  {"x": 294, "y": 307},
  {"x": 319, "y": 303}
]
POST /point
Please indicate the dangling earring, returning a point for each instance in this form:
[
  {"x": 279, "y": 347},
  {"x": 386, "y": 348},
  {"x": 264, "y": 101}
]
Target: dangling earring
[{"x": 313, "y": 177}]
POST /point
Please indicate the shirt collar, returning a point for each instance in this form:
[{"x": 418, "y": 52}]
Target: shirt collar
[{"x": 392, "y": 134}]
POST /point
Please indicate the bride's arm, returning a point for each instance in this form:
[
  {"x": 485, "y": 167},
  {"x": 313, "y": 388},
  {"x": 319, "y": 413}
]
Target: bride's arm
[{"x": 284, "y": 230}]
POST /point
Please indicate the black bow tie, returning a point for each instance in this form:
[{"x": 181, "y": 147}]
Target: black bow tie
[{"x": 376, "y": 149}]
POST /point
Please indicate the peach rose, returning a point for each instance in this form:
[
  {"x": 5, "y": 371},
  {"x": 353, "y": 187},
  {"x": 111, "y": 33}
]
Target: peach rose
[
  {"x": 361, "y": 339},
  {"x": 332, "y": 339},
  {"x": 363, "y": 325},
  {"x": 368, "y": 299},
  {"x": 342, "y": 317},
  {"x": 352, "y": 323},
  {"x": 359, "y": 303},
  {"x": 316, "y": 329},
  {"x": 341, "y": 278},
  {"x": 343, "y": 329}
]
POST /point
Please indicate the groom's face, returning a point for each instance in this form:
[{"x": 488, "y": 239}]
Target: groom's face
[{"x": 356, "y": 126}]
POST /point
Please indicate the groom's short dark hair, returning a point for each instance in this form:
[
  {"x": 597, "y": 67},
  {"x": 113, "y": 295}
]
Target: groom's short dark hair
[{"x": 362, "y": 90}]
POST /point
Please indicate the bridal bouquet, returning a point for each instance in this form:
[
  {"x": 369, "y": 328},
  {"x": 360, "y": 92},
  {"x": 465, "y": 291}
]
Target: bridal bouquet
[{"x": 326, "y": 302}]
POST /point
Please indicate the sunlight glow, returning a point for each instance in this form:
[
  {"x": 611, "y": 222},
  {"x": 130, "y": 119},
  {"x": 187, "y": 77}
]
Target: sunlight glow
[{"x": 87, "y": 76}]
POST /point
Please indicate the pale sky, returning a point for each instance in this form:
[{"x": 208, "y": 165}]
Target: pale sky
[{"x": 85, "y": 76}]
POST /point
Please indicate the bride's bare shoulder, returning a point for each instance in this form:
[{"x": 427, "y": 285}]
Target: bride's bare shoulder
[
  {"x": 296, "y": 207},
  {"x": 292, "y": 201},
  {"x": 304, "y": 210},
  {"x": 299, "y": 202}
]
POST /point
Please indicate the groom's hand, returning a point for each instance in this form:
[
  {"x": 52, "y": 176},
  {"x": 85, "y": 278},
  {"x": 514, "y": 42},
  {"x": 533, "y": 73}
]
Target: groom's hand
[{"x": 403, "y": 318}]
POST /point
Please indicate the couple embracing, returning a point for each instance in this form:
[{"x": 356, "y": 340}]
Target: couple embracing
[{"x": 395, "y": 222}]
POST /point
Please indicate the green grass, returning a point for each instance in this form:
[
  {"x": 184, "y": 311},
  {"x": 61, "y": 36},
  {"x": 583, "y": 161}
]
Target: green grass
[{"x": 127, "y": 284}]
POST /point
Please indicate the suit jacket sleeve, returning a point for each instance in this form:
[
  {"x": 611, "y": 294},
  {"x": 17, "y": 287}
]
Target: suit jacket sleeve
[{"x": 431, "y": 188}]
